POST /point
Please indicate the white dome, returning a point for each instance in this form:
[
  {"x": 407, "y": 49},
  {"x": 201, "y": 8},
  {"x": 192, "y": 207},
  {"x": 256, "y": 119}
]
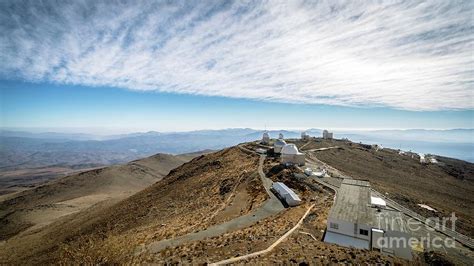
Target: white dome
[
  {"x": 265, "y": 135},
  {"x": 280, "y": 143},
  {"x": 289, "y": 149}
]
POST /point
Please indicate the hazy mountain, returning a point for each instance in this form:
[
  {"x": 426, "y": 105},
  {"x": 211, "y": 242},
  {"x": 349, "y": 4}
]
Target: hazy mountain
[{"x": 20, "y": 150}]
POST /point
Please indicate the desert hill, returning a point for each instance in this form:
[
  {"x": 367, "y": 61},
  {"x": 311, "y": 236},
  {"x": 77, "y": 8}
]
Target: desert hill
[
  {"x": 174, "y": 220},
  {"x": 191, "y": 197},
  {"x": 446, "y": 186},
  {"x": 37, "y": 207}
]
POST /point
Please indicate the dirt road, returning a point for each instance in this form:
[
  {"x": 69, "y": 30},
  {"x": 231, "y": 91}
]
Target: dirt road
[{"x": 272, "y": 206}]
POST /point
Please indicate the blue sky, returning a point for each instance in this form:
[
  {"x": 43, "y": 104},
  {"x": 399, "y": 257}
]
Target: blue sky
[
  {"x": 113, "y": 110},
  {"x": 152, "y": 65}
]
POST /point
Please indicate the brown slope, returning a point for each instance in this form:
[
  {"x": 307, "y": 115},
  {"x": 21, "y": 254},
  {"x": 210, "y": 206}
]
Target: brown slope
[
  {"x": 448, "y": 187},
  {"x": 39, "y": 206},
  {"x": 182, "y": 202}
]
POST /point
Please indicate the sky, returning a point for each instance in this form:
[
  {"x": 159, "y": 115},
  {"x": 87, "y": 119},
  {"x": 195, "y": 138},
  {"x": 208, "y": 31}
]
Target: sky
[{"x": 127, "y": 66}]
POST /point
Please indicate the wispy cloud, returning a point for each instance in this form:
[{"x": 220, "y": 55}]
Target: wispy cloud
[{"x": 406, "y": 55}]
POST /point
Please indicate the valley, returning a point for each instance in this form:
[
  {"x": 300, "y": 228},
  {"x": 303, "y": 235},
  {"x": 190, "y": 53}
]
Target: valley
[{"x": 218, "y": 206}]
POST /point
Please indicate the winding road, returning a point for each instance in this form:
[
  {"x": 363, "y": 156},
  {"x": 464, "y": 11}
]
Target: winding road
[{"x": 272, "y": 206}]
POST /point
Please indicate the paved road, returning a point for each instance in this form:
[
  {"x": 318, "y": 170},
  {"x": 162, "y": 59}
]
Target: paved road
[
  {"x": 270, "y": 207},
  {"x": 322, "y": 149}
]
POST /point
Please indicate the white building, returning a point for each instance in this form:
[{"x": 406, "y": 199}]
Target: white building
[
  {"x": 327, "y": 134},
  {"x": 261, "y": 151},
  {"x": 280, "y": 136},
  {"x": 304, "y": 136},
  {"x": 422, "y": 158},
  {"x": 265, "y": 138},
  {"x": 322, "y": 173},
  {"x": 291, "y": 155},
  {"x": 286, "y": 194},
  {"x": 358, "y": 219},
  {"x": 278, "y": 145}
]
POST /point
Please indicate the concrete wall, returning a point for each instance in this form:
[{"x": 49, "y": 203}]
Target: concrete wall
[
  {"x": 298, "y": 159},
  {"x": 277, "y": 149},
  {"x": 403, "y": 251},
  {"x": 347, "y": 229},
  {"x": 290, "y": 201},
  {"x": 350, "y": 230}
]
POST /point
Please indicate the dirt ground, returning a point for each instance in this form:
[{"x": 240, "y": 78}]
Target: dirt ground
[
  {"x": 447, "y": 187},
  {"x": 185, "y": 201},
  {"x": 213, "y": 189},
  {"x": 34, "y": 208},
  {"x": 299, "y": 248}
]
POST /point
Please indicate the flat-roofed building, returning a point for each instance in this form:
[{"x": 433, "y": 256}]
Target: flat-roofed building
[
  {"x": 286, "y": 194},
  {"x": 358, "y": 219}
]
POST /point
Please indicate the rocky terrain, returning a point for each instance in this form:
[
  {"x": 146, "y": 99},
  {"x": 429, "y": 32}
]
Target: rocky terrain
[
  {"x": 446, "y": 186},
  {"x": 211, "y": 190}
]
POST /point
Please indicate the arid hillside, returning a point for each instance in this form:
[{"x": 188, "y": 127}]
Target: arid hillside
[
  {"x": 34, "y": 208},
  {"x": 217, "y": 206},
  {"x": 208, "y": 190},
  {"x": 447, "y": 186}
]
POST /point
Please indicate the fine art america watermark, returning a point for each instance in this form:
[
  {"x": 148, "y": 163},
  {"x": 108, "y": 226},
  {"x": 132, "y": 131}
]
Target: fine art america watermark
[{"x": 418, "y": 233}]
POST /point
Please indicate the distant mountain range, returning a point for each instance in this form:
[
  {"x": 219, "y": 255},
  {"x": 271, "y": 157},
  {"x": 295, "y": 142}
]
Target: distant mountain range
[{"x": 22, "y": 150}]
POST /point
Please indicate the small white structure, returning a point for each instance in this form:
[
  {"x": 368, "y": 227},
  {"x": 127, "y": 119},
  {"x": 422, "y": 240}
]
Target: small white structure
[
  {"x": 291, "y": 155},
  {"x": 377, "y": 147},
  {"x": 427, "y": 159},
  {"x": 359, "y": 220},
  {"x": 327, "y": 134},
  {"x": 261, "y": 151},
  {"x": 278, "y": 145},
  {"x": 378, "y": 202},
  {"x": 422, "y": 158},
  {"x": 286, "y": 194},
  {"x": 304, "y": 136},
  {"x": 280, "y": 136},
  {"x": 308, "y": 171},
  {"x": 265, "y": 138},
  {"x": 320, "y": 174}
]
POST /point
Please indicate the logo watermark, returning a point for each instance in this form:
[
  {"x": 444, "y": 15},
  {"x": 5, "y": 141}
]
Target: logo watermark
[{"x": 399, "y": 232}]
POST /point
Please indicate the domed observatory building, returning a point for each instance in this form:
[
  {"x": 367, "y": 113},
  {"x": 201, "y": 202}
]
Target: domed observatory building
[
  {"x": 290, "y": 155},
  {"x": 327, "y": 134},
  {"x": 280, "y": 136},
  {"x": 265, "y": 138},
  {"x": 304, "y": 136},
  {"x": 278, "y": 145}
]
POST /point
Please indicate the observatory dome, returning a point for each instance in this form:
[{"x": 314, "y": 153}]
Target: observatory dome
[
  {"x": 280, "y": 143},
  {"x": 289, "y": 149}
]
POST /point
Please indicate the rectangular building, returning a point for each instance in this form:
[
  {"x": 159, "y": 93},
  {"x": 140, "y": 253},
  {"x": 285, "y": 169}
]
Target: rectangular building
[
  {"x": 285, "y": 193},
  {"x": 359, "y": 220}
]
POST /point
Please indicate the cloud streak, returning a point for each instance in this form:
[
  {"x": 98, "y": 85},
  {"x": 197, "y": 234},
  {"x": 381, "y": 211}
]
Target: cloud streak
[{"x": 403, "y": 55}]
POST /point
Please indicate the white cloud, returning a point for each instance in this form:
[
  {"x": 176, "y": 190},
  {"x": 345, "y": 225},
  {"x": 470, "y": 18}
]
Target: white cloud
[{"x": 406, "y": 55}]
